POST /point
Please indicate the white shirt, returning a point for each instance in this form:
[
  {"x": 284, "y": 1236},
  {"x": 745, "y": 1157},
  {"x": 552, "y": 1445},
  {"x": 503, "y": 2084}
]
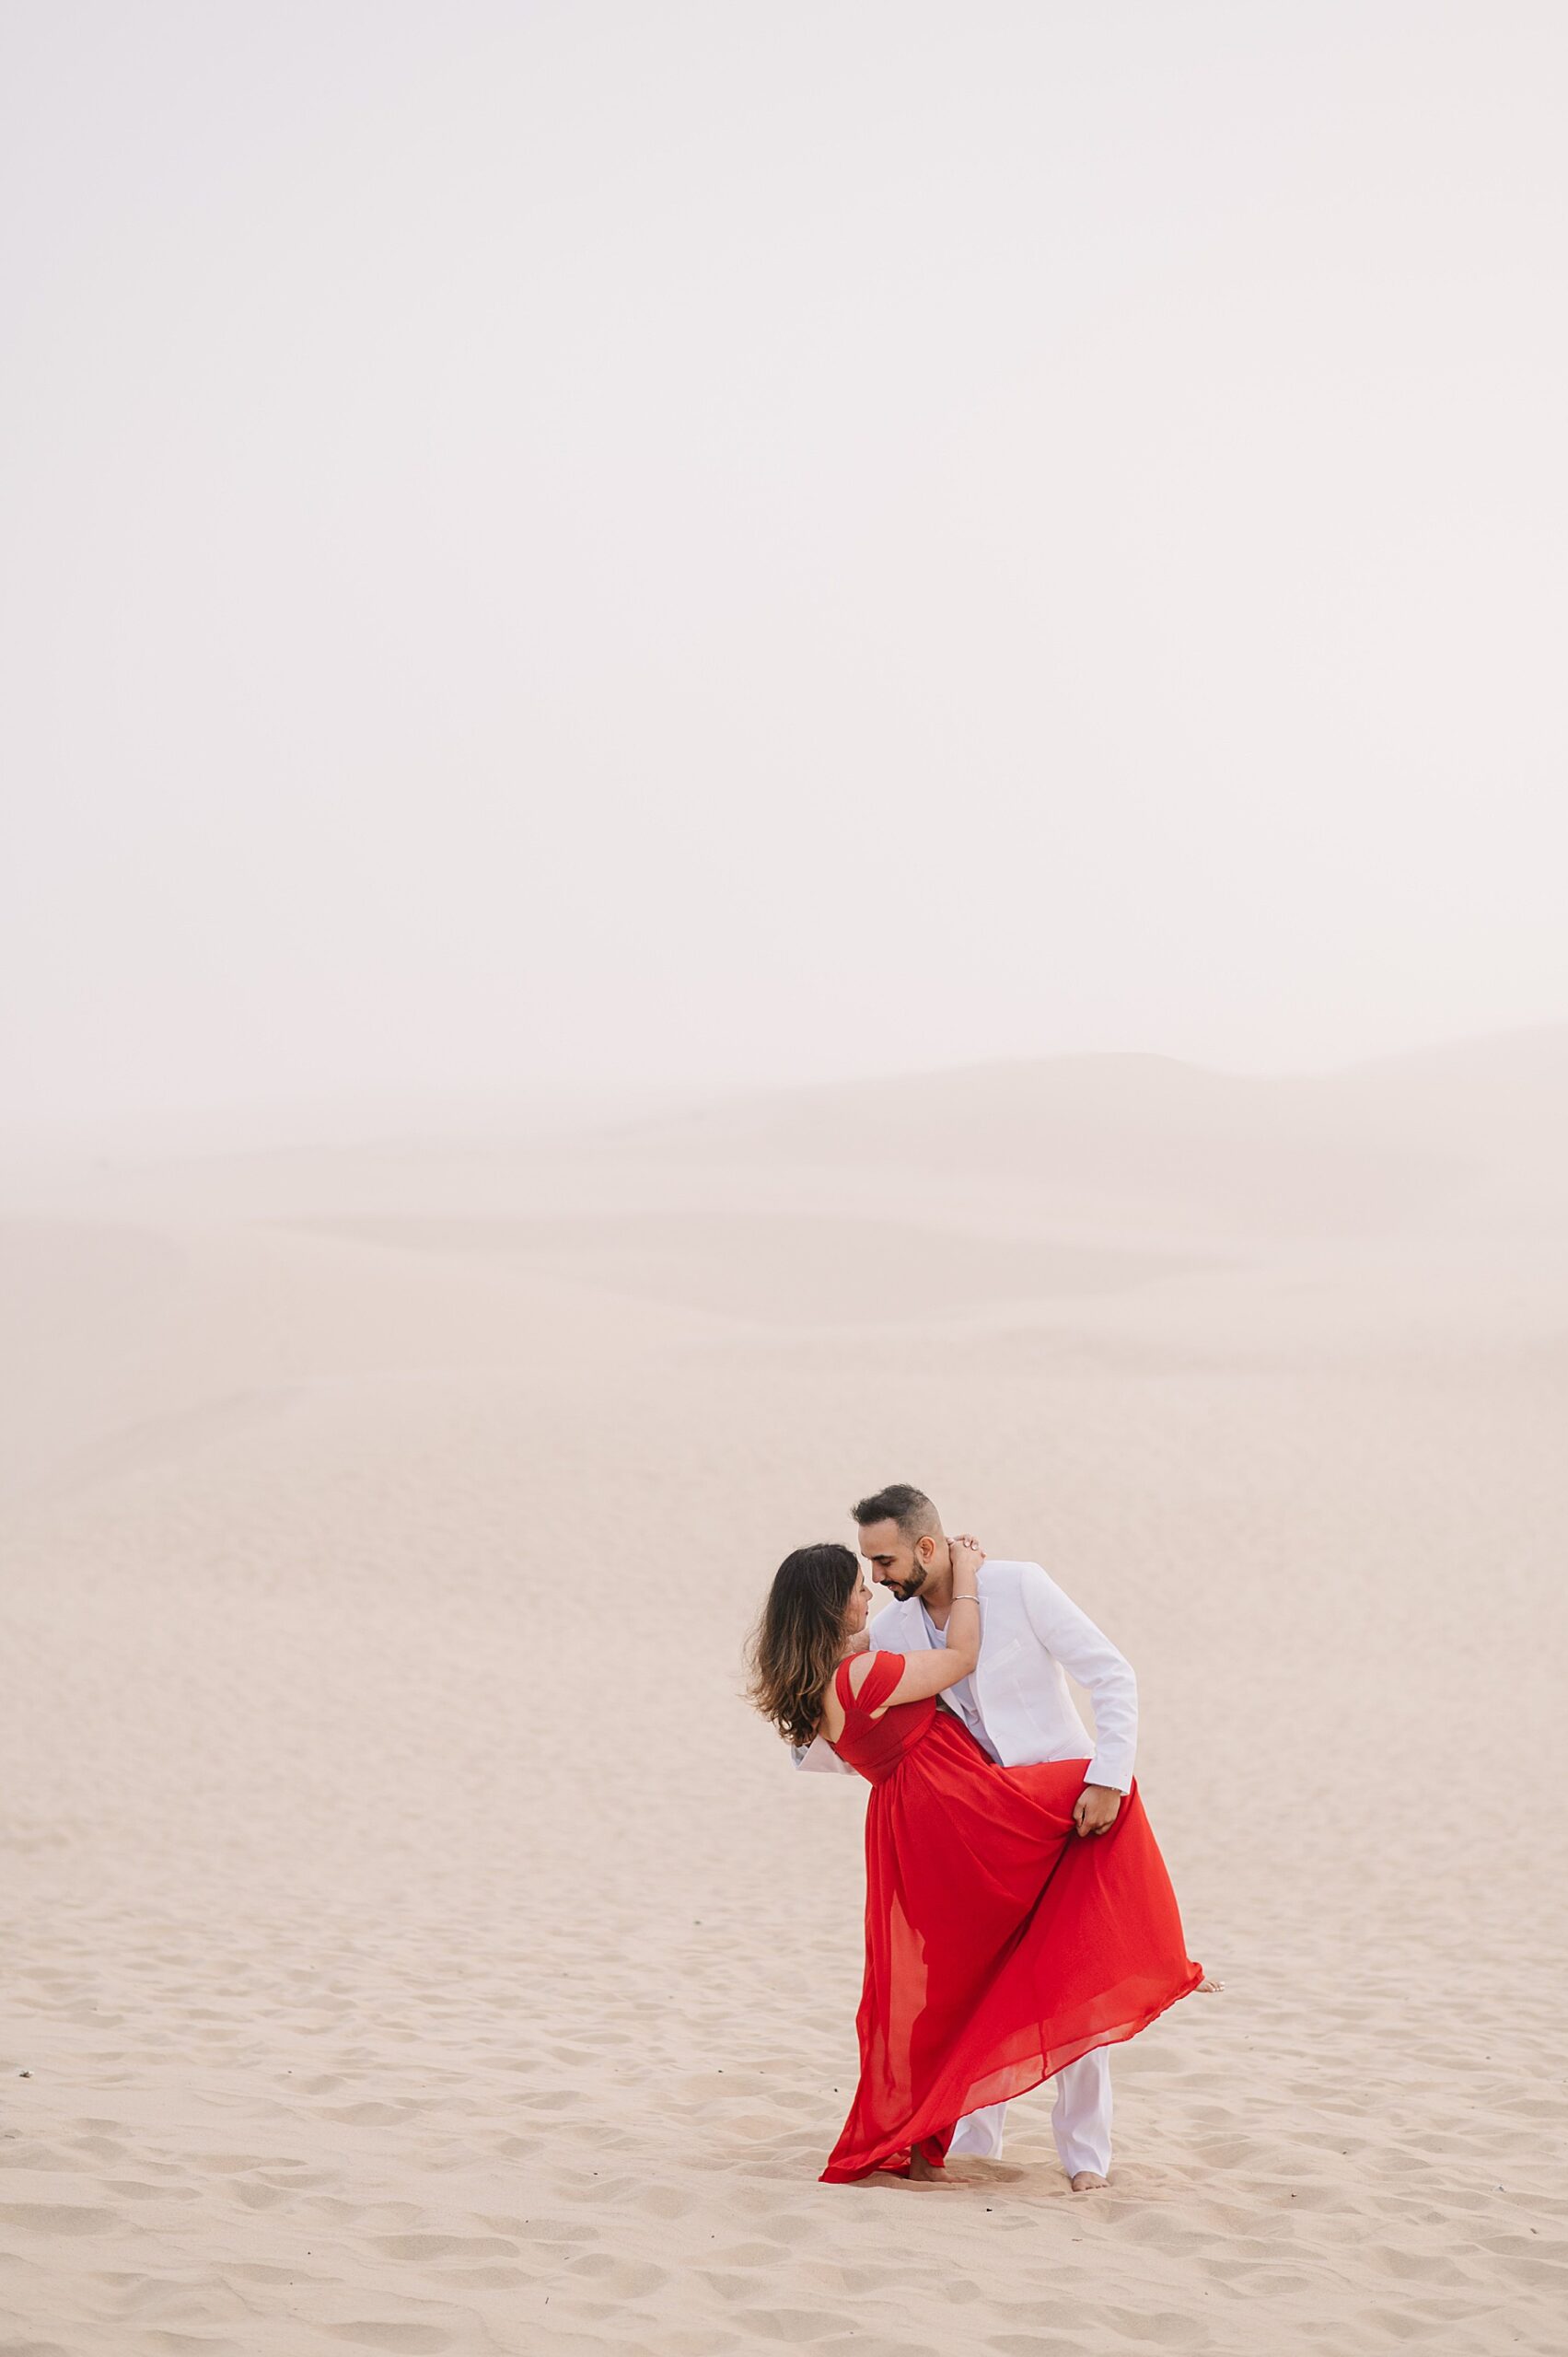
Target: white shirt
[{"x": 961, "y": 1698}]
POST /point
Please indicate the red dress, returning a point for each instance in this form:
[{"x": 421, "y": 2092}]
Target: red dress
[{"x": 1000, "y": 1942}]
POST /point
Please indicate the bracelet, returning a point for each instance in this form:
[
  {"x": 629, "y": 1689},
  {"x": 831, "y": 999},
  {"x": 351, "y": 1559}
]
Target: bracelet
[{"x": 966, "y": 1599}]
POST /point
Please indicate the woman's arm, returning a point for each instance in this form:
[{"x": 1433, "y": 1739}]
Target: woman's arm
[{"x": 932, "y": 1672}]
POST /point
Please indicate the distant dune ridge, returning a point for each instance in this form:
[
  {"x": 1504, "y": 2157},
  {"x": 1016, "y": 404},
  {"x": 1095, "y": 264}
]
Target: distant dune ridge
[
  {"x": 1357, "y": 1146},
  {"x": 415, "y": 1943}
]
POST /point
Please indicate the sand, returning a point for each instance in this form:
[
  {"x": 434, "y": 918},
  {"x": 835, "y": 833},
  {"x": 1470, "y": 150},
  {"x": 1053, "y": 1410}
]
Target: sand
[{"x": 413, "y": 1945}]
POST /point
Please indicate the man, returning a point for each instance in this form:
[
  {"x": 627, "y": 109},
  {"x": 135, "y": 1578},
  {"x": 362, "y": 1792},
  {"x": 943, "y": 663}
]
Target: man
[{"x": 1018, "y": 1708}]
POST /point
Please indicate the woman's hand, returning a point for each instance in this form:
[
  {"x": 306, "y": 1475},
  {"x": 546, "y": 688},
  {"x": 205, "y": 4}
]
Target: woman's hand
[{"x": 968, "y": 1555}]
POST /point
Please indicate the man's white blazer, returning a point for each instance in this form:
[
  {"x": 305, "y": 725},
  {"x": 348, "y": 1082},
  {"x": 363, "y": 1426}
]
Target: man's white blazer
[{"x": 1032, "y": 1637}]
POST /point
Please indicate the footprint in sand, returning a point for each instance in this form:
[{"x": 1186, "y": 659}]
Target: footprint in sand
[
  {"x": 57, "y": 2217},
  {"x": 262, "y": 2270},
  {"x": 628, "y": 2278},
  {"x": 795, "y": 2326},
  {"x": 374, "y": 2115},
  {"x": 664, "y": 2201},
  {"x": 191, "y": 2344},
  {"x": 540, "y": 2230},
  {"x": 1164, "y": 2327},
  {"x": 427, "y": 2246},
  {"x": 402, "y": 2340},
  {"x": 132, "y": 2188},
  {"x": 1034, "y": 2344}
]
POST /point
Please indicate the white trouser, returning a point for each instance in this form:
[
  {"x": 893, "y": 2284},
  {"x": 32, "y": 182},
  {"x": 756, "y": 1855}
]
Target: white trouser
[{"x": 1080, "y": 2120}]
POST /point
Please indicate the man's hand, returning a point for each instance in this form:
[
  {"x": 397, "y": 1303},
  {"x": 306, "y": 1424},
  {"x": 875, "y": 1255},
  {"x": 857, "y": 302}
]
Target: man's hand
[{"x": 1095, "y": 1809}]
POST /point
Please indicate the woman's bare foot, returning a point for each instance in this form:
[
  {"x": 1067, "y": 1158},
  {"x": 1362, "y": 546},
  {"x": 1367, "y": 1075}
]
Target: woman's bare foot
[
  {"x": 925, "y": 2172},
  {"x": 1089, "y": 2181},
  {"x": 1208, "y": 1981}
]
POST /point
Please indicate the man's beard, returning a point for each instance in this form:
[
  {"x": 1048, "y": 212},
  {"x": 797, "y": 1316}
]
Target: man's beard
[{"x": 905, "y": 1589}]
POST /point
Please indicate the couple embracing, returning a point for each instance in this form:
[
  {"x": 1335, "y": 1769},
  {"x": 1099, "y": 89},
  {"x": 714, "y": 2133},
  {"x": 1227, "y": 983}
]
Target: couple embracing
[{"x": 1019, "y": 1921}]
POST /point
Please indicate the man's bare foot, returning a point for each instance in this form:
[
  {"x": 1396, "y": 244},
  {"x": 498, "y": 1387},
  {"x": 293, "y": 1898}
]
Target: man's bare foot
[
  {"x": 1089, "y": 2181},
  {"x": 925, "y": 2172}
]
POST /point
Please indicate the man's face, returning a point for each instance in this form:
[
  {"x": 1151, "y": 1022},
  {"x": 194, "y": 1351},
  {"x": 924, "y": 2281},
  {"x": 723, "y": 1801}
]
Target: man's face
[{"x": 896, "y": 1564}]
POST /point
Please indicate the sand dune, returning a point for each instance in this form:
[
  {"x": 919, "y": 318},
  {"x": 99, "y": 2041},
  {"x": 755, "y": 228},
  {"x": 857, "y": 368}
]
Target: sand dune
[
  {"x": 1311, "y": 1155},
  {"x": 783, "y": 1269},
  {"x": 412, "y": 1944}
]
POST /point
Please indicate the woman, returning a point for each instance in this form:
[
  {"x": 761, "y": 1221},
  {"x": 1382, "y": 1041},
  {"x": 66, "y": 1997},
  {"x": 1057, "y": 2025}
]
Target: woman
[{"x": 999, "y": 1945}]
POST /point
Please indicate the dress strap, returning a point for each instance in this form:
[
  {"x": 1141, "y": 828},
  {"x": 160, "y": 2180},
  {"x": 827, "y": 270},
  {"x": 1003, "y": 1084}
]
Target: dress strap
[{"x": 884, "y": 1674}]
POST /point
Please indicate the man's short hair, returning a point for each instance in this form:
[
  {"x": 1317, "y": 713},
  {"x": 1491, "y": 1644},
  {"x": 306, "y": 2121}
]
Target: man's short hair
[{"x": 902, "y": 1504}]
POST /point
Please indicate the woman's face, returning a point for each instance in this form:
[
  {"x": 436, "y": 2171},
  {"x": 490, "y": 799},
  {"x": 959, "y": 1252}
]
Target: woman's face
[{"x": 857, "y": 1607}]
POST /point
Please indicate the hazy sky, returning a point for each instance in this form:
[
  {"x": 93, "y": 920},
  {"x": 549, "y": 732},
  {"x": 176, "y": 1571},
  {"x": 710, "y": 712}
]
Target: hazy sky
[{"x": 774, "y": 540}]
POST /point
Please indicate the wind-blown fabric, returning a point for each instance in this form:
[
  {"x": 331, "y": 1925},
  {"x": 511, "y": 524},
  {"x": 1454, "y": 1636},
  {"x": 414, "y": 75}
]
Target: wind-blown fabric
[{"x": 1000, "y": 1943}]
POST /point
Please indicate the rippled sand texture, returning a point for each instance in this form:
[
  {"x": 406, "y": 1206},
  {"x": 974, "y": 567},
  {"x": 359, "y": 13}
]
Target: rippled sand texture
[{"x": 413, "y": 1945}]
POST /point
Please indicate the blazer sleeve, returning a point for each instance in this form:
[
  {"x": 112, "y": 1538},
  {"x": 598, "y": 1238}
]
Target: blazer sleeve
[
  {"x": 1086, "y": 1654},
  {"x": 818, "y": 1759}
]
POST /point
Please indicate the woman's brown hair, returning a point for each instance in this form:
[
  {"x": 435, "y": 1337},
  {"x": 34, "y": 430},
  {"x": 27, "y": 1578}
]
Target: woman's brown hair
[{"x": 799, "y": 1641}]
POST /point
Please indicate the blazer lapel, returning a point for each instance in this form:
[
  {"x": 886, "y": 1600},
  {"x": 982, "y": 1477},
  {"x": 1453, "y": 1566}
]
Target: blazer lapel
[
  {"x": 901, "y": 1629},
  {"x": 991, "y": 1630}
]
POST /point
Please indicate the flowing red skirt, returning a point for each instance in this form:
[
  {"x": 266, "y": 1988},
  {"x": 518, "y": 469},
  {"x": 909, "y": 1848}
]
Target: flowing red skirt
[{"x": 1001, "y": 1945}]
